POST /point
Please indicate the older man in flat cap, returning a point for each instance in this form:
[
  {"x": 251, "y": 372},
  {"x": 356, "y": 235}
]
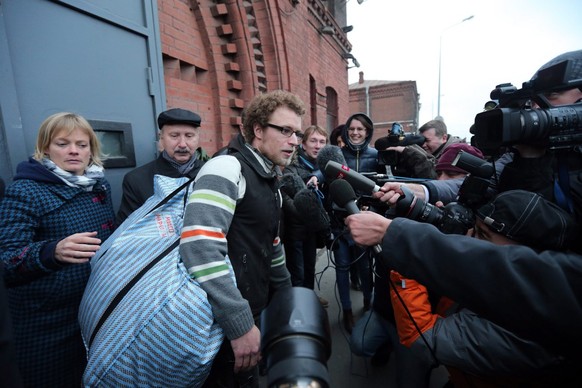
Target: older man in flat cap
[{"x": 181, "y": 157}]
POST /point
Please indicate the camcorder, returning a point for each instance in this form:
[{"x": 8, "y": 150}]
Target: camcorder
[
  {"x": 396, "y": 137},
  {"x": 456, "y": 217},
  {"x": 525, "y": 116}
]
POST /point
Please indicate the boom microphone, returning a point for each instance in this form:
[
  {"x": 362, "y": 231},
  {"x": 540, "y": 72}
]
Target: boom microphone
[
  {"x": 343, "y": 195},
  {"x": 334, "y": 170},
  {"x": 391, "y": 141}
]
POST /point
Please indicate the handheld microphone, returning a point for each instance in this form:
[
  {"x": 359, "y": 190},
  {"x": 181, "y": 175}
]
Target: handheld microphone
[
  {"x": 334, "y": 170},
  {"x": 344, "y": 195}
]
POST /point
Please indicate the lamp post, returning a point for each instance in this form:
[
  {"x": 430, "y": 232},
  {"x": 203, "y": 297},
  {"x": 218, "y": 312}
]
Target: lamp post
[{"x": 440, "y": 60}]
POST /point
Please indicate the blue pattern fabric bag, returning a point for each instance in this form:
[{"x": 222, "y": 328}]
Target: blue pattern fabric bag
[{"x": 144, "y": 321}]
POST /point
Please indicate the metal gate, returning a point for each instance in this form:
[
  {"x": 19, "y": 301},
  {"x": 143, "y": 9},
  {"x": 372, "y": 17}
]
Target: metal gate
[{"x": 99, "y": 59}]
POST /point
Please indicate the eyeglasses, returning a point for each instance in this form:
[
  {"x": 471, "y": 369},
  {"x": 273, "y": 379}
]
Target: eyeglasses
[{"x": 286, "y": 131}]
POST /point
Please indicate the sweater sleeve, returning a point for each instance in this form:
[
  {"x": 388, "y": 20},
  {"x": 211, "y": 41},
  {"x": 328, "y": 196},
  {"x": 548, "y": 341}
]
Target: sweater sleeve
[
  {"x": 279, "y": 274},
  {"x": 203, "y": 246}
]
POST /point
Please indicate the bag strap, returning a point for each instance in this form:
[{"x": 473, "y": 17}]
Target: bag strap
[
  {"x": 171, "y": 195},
  {"x": 119, "y": 297}
]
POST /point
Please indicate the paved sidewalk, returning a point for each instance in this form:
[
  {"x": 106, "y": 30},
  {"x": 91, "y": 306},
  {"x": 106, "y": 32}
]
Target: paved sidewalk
[{"x": 347, "y": 370}]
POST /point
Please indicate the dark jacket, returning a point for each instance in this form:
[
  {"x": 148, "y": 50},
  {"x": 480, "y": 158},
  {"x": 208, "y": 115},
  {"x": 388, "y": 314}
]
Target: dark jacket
[
  {"x": 254, "y": 228},
  {"x": 39, "y": 210},
  {"x": 414, "y": 162},
  {"x": 294, "y": 222},
  {"x": 138, "y": 184},
  {"x": 540, "y": 293}
]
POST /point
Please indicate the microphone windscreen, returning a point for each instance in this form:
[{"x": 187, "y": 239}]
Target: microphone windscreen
[
  {"x": 330, "y": 152},
  {"x": 291, "y": 183},
  {"x": 413, "y": 139},
  {"x": 382, "y": 143},
  {"x": 310, "y": 208},
  {"x": 341, "y": 192}
]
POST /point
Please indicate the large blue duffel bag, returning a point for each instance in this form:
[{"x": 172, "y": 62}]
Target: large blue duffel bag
[{"x": 144, "y": 321}]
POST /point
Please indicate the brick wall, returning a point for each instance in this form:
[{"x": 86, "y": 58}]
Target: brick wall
[
  {"x": 386, "y": 102},
  {"x": 218, "y": 55}
]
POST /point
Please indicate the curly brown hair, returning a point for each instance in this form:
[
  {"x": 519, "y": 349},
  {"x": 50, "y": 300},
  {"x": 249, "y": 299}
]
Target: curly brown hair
[{"x": 262, "y": 107}]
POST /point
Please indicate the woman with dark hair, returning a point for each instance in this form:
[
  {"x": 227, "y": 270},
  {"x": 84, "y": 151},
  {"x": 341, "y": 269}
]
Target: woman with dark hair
[
  {"x": 336, "y": 136},
  {"x": 361, "y": 157}
]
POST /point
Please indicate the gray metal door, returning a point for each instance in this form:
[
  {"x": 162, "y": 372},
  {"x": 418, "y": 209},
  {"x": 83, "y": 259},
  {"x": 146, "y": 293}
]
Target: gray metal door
[{"x": 99, "y": 59}]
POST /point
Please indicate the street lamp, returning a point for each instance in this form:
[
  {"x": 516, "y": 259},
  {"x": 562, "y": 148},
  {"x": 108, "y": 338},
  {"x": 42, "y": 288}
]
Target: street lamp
[{"x": 440, "y": 56}]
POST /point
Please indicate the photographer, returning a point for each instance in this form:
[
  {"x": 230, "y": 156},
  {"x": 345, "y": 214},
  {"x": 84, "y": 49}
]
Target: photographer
[
  {"x": 403, "y": 156},
  {"x": 450, "y": 338},
  {"x": 542, "y": 291}
]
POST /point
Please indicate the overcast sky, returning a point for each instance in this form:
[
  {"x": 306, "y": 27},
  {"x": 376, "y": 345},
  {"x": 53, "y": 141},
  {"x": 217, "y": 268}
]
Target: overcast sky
[{"x": 505, "y": 41}]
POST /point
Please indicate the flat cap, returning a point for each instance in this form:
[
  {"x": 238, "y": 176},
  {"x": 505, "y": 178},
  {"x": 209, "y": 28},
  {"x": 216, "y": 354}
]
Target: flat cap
[{"x": 178, "y": 116}]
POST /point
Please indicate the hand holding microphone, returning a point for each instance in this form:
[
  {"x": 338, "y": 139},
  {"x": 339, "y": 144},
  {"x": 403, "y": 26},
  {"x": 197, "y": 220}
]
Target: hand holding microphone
[{"x": 388, "y": 193}]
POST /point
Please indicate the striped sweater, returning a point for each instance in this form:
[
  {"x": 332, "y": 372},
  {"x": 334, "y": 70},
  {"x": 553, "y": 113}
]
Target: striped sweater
[{"x": 233, "y": 213}]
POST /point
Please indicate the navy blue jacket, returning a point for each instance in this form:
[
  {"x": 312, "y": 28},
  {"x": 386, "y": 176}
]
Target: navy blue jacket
[
  {"x": 39, "y": 210},
  {"x": 362, "y": 157}
]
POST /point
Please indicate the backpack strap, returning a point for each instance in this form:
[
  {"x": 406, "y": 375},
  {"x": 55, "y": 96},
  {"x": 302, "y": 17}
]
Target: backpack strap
[{"x": 119, "y": 297}]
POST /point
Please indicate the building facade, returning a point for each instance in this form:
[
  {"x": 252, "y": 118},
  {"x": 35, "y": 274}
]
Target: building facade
[
  {"x": 218, "y": 54},
  {"x": 121, "y": 63},
  {"x": 386, "y": 102}
]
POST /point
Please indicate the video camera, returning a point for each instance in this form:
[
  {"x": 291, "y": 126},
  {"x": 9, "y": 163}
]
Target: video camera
[
  {"x": 456, "y": 217},
  {"x": 515, "y": 121},
  {"x": 396, "y": 137}
]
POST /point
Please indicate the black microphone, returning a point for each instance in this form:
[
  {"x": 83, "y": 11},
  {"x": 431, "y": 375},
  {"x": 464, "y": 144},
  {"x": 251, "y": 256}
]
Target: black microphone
[
  {"x": 334, "y": 170},
  {"x": 382, "y": 143},
  {"x": 291, "y": 184},
  {"x": 394, "y": 141},
  {"x": 328, "y": 153},
  {"x": 311, "y": 211},
  {"x": 344, "y": 195}
]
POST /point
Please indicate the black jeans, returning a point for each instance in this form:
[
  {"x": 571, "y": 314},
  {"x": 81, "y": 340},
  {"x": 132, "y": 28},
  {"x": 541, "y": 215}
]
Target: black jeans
[{"x": 222, "y": 374}]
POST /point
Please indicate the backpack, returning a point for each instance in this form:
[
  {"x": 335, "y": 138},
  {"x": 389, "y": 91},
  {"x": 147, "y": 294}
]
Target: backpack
[{"x": 143, "y": 320}]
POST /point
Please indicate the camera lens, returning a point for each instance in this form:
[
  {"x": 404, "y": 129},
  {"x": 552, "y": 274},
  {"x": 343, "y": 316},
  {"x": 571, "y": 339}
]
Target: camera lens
[
  {"x": 296, "y": 339},
  {"x": 414, "y": 208}
]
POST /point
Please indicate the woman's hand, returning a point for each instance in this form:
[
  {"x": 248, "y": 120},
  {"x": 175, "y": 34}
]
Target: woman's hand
[{"x": 77, "y": 248}]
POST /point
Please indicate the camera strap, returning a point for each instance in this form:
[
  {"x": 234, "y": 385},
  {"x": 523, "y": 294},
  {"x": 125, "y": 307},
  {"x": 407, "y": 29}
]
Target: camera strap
[{"x": 562, "y": 185}]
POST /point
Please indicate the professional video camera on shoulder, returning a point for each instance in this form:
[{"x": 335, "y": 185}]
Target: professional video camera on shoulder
[
  {"x": 525, "y": 116},
  {"x": 456, "y": 217},
  {"x": 396, "y": 137}
]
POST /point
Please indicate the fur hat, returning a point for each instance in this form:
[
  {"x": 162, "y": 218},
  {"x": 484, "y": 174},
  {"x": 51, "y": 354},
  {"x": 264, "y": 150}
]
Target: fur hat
[{"x": 529, "y": 219}]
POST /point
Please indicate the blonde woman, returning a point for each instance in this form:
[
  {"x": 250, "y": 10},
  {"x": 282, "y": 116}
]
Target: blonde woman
[{"x": 54, "y": 217}]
